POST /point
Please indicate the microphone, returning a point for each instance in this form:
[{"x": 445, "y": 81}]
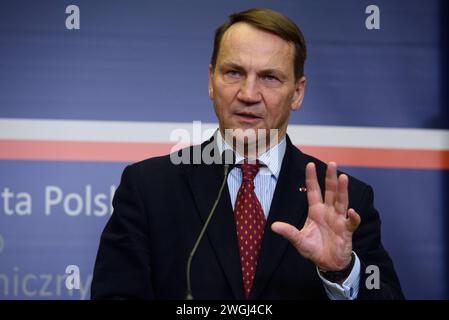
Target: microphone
[{"x": 228, "y": 160}]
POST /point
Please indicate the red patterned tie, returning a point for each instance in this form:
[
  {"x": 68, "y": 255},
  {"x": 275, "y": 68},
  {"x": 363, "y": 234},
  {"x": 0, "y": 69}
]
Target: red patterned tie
[{"x": 250, "y": 223}]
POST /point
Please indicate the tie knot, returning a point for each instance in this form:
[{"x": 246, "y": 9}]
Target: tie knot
[{"x": 249, "y": 170}]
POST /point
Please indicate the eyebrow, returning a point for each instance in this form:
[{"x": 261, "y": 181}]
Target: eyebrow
[
  {"x": 232, "y": 65},
  {"x": 275, "y": 71}
]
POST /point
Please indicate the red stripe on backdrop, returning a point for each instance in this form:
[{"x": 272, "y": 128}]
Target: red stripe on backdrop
[
  {"x": 80, "y": 150},
  {"x": 131, "y": 152},
  {"x": 382, "y": 158}
]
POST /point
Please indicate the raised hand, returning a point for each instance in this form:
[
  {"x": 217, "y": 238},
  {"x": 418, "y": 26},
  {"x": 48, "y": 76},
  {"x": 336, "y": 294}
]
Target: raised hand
[{"x": 326, "y": 238}]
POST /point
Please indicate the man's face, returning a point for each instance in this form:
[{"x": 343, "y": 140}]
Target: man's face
[{"x": 253, "y": 84}]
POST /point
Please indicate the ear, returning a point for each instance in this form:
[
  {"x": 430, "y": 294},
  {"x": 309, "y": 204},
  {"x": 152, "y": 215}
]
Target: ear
[
  {"x": 210, "y": 86},
  {"x": 298, "y": 95}
]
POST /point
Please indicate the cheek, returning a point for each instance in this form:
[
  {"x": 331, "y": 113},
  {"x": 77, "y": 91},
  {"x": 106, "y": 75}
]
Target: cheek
[
  {"x": 277, "y": 108},
  {"x": 224, "y": 96},
  {"x": 222, "y": 101}
]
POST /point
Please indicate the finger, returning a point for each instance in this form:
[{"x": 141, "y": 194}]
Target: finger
[
  {"x": 288, "y": 231},
  {"x": 312, "y": 186},
  {"x": 353, "y": 220},
  {"x": 331, "y": 184},
  {"x": 341, "y": 205}
]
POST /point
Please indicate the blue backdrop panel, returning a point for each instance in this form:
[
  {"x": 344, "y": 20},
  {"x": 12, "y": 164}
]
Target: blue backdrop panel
[
  {"x": 40, "y": 244},
  {"x": 411, "y": 204},
  {"x": 147, "y": 60}
]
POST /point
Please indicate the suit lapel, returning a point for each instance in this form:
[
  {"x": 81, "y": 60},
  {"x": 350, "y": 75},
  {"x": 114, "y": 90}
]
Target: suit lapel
[
  {"x": 205, "y": 181},
  {"x": 288, "y": 205}
]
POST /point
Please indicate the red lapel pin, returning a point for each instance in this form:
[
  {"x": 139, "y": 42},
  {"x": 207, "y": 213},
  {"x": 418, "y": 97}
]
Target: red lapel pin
[{"x": 302, "y": 189}]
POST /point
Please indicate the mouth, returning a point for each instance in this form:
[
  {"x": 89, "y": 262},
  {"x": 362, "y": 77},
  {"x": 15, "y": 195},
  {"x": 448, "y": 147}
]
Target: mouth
[{"x": 247, "y": 117}]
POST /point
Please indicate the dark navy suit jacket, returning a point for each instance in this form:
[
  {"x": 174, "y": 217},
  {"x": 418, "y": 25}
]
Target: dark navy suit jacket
[{"x": 159, "y": 209}]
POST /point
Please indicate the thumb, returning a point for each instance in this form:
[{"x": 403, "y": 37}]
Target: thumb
[
  {"x": 353, "y": 220},
  {"x": 289, "y": 232}
]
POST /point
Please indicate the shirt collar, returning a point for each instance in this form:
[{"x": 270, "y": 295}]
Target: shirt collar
[{"x": 272, "y": 158}]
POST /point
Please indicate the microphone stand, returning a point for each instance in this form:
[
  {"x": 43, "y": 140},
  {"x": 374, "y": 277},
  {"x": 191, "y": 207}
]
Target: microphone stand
[{"x": 203, "y": 231}]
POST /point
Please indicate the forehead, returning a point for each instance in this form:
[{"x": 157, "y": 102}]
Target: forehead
[{"x": 248, "y": 46}]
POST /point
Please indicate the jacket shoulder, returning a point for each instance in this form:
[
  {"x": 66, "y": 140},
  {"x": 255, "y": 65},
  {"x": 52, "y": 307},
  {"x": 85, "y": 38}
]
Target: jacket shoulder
[{"x": 158, "y": 169}]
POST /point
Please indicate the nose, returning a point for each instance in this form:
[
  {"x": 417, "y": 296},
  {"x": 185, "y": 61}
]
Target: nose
[{"x": 249, "y": 92}]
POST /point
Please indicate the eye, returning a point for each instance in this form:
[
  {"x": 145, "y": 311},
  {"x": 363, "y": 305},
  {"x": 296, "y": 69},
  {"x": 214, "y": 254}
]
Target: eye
[
  {"x": 270, "y": 78},
  {"x": 233, "y": 73}
]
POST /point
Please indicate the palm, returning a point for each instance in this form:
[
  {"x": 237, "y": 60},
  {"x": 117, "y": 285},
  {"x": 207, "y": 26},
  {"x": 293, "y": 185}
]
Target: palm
[
  {"x": 325, "y": 241},
  {"x": 326, "y": 238}
]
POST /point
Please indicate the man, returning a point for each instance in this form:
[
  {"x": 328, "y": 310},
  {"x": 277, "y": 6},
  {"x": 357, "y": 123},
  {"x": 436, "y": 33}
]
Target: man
[{"x": 273, "y": 235}]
